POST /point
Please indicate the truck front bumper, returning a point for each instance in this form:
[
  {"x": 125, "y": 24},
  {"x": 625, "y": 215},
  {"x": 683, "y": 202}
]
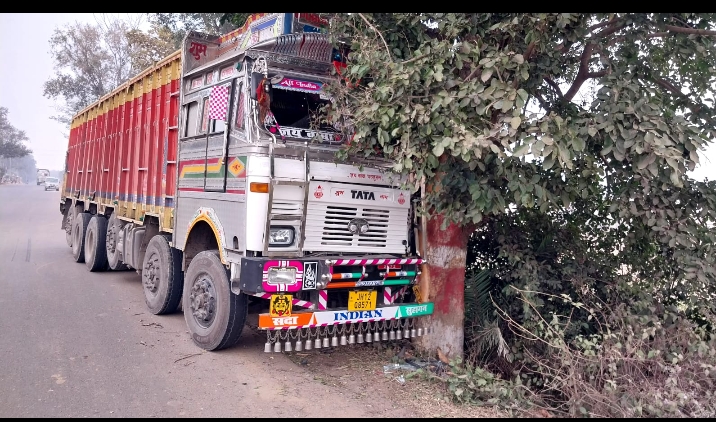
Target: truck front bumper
[
  {"x": 271, "y": 275},
  {"x": 313, "y": 279}
]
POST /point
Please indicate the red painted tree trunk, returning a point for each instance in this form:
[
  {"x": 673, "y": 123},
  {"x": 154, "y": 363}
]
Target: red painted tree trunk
[{"x": 443, "y": 283}]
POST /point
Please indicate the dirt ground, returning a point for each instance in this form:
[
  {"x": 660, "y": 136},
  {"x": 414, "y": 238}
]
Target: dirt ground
[{"x": 358, "y": 370}]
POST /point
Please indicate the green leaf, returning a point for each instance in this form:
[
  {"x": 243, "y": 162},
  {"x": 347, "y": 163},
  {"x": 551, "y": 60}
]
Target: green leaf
[
  {"x": 521, "y": 150},
  {"x": 645, "y": 160},
  {"x": 548, "y": 163},
  {"x": 523, "y": 94},
  {"x": 515, "y": 122},
  {"x": 578, "y": 144},
  {"x": 438, "y": 150},
  {"x": 486, "y": 74}
]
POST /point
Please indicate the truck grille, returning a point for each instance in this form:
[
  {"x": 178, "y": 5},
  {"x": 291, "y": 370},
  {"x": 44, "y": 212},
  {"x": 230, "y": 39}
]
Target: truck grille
[
  {"x": 327, "y": 229},
  {"x": 335, "y": 227}
]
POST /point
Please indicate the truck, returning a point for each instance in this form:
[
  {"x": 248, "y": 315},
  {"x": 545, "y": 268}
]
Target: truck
[
  {"x": 41, "y": 175},
  {"x": 205, "y": 175}
]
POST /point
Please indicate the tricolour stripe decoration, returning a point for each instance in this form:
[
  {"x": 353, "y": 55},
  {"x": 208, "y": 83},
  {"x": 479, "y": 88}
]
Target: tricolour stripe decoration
[
  {"x": 366, "y": 283},
  {"x": 402, "y": 261}
]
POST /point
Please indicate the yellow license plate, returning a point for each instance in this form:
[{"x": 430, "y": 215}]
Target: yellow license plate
[{"x": 362, "y": 300}]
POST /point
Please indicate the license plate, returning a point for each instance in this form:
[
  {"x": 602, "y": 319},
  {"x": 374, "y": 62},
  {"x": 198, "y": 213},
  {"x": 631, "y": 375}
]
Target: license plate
[{"x": 362, "y": 300}]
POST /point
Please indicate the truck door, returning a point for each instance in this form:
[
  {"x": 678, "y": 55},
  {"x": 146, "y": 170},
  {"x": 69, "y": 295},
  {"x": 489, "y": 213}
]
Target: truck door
[{"x": 216, "y": 135}]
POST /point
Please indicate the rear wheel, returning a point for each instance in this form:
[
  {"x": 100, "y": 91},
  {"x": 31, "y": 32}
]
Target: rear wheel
[
  {"x": 114, "y": 226},
  {"x": 215, "y": 316},
  {"x": 95, "y": 246},
  {"x": 162, "y": 278},
  {"x": 79, "y": 229}
]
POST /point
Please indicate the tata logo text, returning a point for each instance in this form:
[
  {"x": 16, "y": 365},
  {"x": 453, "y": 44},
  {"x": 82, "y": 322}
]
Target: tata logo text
[
  {"x": 349, "y": 316},
  {"x": 362, "y": 194},
  {"x": 292, "y": 320}
]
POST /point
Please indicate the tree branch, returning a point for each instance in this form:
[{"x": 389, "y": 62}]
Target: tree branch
[
  {"x": 691, "y": 104},
  {"x": 554, "y": 86},
  {"x": 422, "y": 56},
  {"x": 379, "y": 34},
  {"x": 609, "y": 31},
  {"x": 597, "y": 74},
  {"x": 530, "y": 50},
  {"x": 582, "y": 74},
  {"x": 473, "y": 73},
  {"x": 603, "y": 24},
  {"x": 682, "y": 30}
]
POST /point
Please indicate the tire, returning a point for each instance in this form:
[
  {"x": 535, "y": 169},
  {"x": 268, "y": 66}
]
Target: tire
[
  {"x": 95, "y": 244},
  {"x": 79, "y": 229},
  {"x": 218, "y": 325},
  {"x": 71, "y": 213},
  {"x": 162, "y": 278},
  {"x": 114, "y": 225}
]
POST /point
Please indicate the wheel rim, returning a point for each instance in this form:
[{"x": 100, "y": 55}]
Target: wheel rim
[
  {"x": 202, "y": 300},
  {"x": 150, "y": 274}
]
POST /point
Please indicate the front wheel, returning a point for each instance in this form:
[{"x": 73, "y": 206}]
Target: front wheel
[
  {"x": 162, "y": 278},
  {"x": 214, "y": 315}
]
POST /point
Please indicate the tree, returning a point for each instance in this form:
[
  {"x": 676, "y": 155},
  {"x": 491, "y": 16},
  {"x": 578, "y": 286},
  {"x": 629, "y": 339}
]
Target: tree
[
  {"x": 506, "y": 118},
  {"x": 179, "y": 24},
  {"x": 92, "y": 59},
  {"x": 11, "y": 142},
  {"x": 82, "y": 67},
  {"x": 236, "y": 19},
  {"x": 11, "y": 139},
  {"x": 147, "y": 48}
]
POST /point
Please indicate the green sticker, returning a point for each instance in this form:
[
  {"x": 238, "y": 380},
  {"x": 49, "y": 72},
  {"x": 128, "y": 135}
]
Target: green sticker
[{"x": 407, "y": 311}]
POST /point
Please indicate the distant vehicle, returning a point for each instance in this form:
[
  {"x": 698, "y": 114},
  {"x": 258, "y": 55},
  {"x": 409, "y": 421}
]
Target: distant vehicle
[
  {"x": 52, "y": 183},
  {"x": 41, "y": 175}
]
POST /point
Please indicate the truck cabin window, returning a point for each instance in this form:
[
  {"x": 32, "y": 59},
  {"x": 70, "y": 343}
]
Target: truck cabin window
[
  {"x": 192, "y": 115},
  {"x": 296, "y": 109}
]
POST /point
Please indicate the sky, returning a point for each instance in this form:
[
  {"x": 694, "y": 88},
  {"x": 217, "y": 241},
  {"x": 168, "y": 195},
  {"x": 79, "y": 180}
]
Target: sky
[
  {"x": 24, "y": 46},
  {"x": 26, "y": 65}
]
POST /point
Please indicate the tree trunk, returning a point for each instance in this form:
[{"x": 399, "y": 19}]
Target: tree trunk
[{"x": 443, "y": 283}]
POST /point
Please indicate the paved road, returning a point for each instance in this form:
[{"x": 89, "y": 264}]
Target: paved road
[{"x": 81, "y": 344}]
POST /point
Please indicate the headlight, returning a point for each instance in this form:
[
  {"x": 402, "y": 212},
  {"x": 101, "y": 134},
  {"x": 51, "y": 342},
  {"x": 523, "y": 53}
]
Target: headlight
[
  {"x": 278, "y": 275},
  {"x": 281, "y": 236}
]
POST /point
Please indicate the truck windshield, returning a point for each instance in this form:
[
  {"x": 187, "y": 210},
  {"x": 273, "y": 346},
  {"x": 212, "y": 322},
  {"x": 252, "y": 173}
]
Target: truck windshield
[{"x": 296, "y": 109}]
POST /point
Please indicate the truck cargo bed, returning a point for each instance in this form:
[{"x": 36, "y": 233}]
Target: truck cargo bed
[{"x": 122, "y": 149}]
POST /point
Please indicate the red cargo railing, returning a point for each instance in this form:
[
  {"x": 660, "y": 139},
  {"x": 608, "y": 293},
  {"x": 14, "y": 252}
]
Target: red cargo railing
[{"x": 122, "y": 149}]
